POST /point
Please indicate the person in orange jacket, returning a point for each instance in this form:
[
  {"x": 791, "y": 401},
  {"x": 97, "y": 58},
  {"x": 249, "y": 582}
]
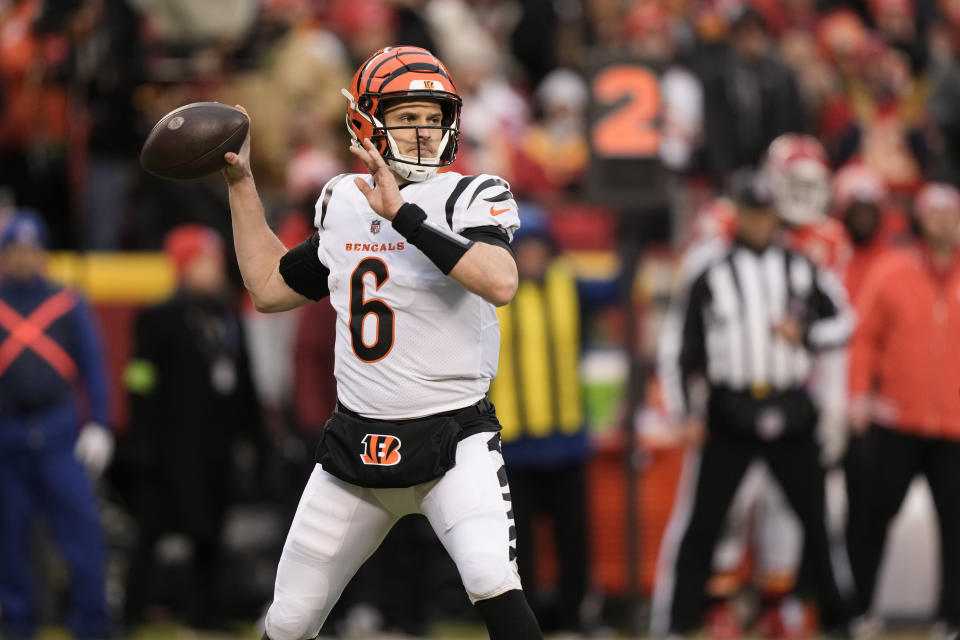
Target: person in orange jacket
[{"x": 904, "y": 381}]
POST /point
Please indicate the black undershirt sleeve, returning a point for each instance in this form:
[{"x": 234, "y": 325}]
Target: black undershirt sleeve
[
  {"x": 491, "y": 234},
  {"x": 302, "y": 270}
]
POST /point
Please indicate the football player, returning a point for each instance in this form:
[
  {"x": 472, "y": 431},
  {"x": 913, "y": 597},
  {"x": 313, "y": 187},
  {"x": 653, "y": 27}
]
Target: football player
[
  {"x": 414, "y": 262},
  {"x": 801, "y": 180}
]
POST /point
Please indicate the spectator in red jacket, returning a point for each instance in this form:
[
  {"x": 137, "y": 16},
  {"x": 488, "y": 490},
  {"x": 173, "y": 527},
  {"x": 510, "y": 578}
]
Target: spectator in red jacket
[{"x": 904, "y": 381}]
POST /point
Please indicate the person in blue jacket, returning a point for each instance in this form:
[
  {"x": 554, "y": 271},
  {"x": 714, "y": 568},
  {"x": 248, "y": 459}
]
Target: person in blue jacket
[{"x": 52, "y": 438}]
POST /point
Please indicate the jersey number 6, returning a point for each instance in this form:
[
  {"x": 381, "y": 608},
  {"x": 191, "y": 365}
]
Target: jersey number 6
[{"x": 360, "y": 308}]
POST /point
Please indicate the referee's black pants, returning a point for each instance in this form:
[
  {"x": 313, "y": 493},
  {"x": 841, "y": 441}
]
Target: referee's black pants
[
  {"x": 724, "y": 459},
  {"x": 884, "y": 462}
]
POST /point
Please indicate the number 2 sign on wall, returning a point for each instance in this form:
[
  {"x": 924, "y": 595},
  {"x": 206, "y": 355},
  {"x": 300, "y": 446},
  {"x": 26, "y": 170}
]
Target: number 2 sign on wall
[{"x": 630, "y": 127}]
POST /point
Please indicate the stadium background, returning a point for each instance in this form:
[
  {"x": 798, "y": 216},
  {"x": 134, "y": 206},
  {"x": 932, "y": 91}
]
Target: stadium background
[{"x": 620, "y": 163}]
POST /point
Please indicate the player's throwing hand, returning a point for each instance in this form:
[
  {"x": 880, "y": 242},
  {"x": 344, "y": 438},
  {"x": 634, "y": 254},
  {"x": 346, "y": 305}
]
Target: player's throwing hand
[
  {"x": 384, "y": 197},
  {"x": 238, "y": 164}
]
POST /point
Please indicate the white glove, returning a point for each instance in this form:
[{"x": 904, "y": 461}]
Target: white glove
[{"x": 94, "y": 447}]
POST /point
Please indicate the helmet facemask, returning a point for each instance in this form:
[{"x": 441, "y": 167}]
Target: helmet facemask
[
  {"x": 800, "y": 178},
  {"x": 414, "y": 168},
  {"x": 802, "y": 194}
]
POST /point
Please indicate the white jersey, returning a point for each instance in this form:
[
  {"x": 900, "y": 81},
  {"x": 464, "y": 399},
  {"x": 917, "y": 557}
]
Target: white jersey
[{"x": 411, "y": 341}]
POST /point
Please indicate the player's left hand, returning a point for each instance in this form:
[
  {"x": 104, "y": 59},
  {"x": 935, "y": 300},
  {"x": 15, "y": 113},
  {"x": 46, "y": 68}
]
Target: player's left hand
[{"x": 384, "y": 197}]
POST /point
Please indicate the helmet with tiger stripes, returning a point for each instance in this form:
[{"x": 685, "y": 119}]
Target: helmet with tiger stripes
[{"x": 395, "y": 73}]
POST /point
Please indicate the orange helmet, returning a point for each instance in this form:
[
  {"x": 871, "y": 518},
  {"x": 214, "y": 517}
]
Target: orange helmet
[{"x": 403, "y": 72}]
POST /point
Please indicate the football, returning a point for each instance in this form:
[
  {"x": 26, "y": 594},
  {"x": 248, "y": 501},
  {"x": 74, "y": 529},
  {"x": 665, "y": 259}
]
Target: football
[{"x": 189, "y": 142}]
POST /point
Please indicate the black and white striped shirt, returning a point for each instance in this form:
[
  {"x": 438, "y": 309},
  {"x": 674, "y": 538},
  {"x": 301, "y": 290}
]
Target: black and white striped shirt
[{"x": 721, "y": 322}]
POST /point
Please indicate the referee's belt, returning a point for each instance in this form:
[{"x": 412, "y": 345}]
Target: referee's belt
[
  {"x": 760, "y": 390},
  {"x": 757, "y": 390},
  {"x": 462, "y": 416}
]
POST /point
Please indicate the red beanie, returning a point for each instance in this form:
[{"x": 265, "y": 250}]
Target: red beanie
[{"x": 188, "y": 241}]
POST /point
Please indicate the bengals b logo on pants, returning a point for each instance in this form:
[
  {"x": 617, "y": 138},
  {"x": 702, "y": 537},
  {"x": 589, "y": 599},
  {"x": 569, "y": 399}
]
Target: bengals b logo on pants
[{"x": 380, "y": 450}]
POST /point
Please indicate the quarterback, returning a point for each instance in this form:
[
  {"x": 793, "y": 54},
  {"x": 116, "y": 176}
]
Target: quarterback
[{"x": 414, "y": 262}]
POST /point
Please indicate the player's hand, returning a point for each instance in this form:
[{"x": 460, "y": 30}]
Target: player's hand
[
  {"x": 693, "y": 431},
  {"x": 790, "y": 329},
  {"x": 859, "y": 414},
  {"x": 384, "y": 197},
  {"x": 238, "y": 164}
]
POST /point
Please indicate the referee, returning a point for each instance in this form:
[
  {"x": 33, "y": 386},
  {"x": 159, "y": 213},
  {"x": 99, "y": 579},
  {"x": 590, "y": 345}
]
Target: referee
[{"x": 749, "y": 324}]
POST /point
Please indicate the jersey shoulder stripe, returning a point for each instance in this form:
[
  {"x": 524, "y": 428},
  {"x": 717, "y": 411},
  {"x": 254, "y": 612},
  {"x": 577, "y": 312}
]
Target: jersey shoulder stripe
[
  {"x": 492, "y": 182},
  {"x": 327, "y": 194},
  {"x": 458, "y": 190}
]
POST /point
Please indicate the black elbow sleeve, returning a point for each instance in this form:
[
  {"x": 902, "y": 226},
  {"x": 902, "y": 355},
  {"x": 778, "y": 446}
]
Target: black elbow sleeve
[
  {"x": 303, "y": 272},
  {"x": 443, "y": 248}
]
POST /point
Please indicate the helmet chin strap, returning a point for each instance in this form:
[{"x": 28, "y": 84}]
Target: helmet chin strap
[
  {"x": 407, "y": 167},
  {"x": 410, "y": 172}
]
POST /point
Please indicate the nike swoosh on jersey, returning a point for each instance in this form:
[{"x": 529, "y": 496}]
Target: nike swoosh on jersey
[{"x": 496, "y": 212}]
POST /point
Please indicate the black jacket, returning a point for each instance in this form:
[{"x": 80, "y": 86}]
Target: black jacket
[{"x": 191, "y": 398}]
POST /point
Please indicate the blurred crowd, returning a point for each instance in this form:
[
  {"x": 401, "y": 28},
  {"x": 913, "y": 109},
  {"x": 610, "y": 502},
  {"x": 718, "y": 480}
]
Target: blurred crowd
[
  {"x": 851, "y": 108},
  {"x": 83, "y": 81}
]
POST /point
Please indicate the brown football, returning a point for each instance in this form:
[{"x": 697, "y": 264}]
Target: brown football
[{"x": 189, "y": 142}]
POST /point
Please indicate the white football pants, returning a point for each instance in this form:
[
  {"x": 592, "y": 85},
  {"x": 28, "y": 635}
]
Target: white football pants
[{"x": 339, "y": 525}]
